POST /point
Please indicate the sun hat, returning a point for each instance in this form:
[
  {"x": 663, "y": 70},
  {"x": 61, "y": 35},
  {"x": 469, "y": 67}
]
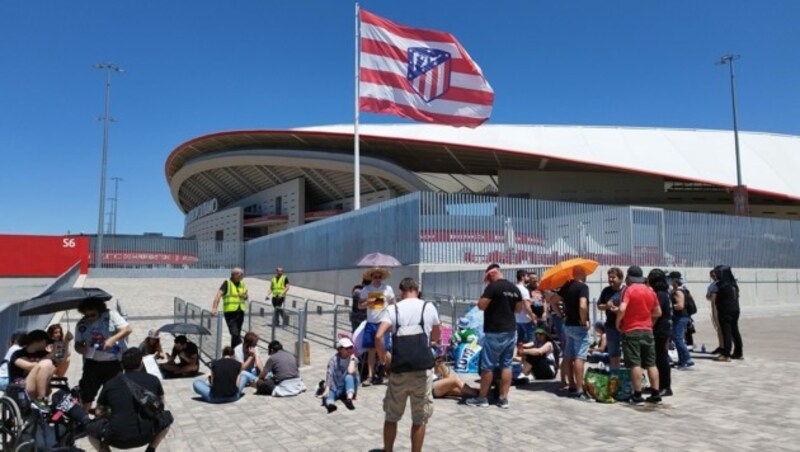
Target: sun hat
[
  {"x": 367, "y": 275},
  {"x": 463, "y": 323}
]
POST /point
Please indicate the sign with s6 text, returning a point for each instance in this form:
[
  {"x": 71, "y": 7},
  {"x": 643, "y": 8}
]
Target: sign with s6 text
[{"x": 42, "y": 255}]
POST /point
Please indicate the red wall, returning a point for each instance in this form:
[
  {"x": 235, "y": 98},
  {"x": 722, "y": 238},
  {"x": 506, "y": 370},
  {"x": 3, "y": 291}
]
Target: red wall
[{"x": 42, "y": 255}]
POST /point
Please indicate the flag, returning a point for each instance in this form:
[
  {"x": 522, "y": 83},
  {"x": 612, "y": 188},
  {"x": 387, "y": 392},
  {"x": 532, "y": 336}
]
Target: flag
[{"x": 424, "y": 75}]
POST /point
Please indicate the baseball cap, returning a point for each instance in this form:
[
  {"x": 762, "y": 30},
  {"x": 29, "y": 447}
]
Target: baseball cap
[
  {"x": 635, "y": 274},
  {"x": 344, "y": 342},
  {"x": 152, "y": 334}
]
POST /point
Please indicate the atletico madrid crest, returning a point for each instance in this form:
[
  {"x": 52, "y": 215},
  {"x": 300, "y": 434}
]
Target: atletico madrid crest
[{"x": 429, "y": 72}]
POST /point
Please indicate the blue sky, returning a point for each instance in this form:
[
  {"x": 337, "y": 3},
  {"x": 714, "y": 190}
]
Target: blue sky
[{"x": 202, "y": 66}]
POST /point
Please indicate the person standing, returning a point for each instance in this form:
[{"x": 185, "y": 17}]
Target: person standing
[
  {"x": 728, "y": 311},
  {"x": 680, "y": 321},
  {"x": 711, "y": 296},
  {"x": 609, "y": 301},
  {"x": 635, "y": 320},
  {"x": 374, "y": 297},
  {"x": 278, "y": 288},
  {"x": 100, "y": 338},
  {"x": 415, "y": 328},
  {"x": 524, "y": 315},
  {"x": 575, "y": 295},
  {"x": 499, "y": 301},
  {"x": 233, "y": 293},
  {"x": 662, "y": 329}
]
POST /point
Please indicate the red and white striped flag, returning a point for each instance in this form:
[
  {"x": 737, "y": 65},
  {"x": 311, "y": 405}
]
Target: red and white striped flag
[{"x": 423, "y": 75}]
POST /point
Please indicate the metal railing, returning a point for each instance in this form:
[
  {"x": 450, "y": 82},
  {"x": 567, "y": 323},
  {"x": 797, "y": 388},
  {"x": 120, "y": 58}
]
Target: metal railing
[
  {"x": 262, "y": 319},
  {"x": 210, "y": 347}
]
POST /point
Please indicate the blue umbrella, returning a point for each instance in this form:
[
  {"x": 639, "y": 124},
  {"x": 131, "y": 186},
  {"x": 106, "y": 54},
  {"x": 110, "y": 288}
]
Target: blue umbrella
[{"x": 378, "y": 260}]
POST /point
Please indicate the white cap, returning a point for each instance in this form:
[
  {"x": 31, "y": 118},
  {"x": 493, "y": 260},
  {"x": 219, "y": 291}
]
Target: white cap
[{"x": 344, "y": 342}]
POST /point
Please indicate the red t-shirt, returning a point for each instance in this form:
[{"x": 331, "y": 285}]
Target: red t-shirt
[{"x": 640, "y": 300}]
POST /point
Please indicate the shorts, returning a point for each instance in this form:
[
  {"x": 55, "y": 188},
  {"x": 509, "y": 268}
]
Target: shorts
[
  {"x": 640, "y": 349},
  {"x": 416, "y": 385},
  {"x": 497, "y": 350},
  {"x": 95, "y": 375},
  {"x": 368, "y": 340},
  {"x": 613, "y": 342},
  {"x": 577, "y": 342},
  {"x": 525, "y": 332}
]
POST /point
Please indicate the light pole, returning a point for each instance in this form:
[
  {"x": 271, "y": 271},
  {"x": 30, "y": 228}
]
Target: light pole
[
  {"x": 116, "y": 180},
  {"x": 98, "y": 250},
  {"x": 740, "y": 192}
]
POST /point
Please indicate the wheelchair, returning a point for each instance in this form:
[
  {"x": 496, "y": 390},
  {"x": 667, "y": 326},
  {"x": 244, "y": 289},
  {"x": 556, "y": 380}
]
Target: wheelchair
[{"x": 26, "y": 426}]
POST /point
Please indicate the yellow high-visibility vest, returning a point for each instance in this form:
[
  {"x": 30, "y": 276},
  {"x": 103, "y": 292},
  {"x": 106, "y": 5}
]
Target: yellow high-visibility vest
[
  {"x": 233, "y": 300},
  {"x": 278, "y": 286}
]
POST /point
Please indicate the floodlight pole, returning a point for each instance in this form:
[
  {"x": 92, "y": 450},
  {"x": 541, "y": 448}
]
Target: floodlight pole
[
  {"x": 116, "y": 180},
  {"x": 98, "y": 250},
  {"x": 356, "y": 139},
  {"x": 740, "y": 190}
]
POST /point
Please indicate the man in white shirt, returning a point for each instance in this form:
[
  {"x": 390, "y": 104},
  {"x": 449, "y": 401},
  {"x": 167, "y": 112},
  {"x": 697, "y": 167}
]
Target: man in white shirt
[
  {"x": 524, "y": 315},
  {"x": 374, "y": 297},
  {"x": 415, "y": 328}
]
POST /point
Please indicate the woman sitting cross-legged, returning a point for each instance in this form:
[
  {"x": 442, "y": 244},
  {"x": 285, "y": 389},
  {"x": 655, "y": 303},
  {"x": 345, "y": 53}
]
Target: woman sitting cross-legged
[
  {"x": 539, "y": 357},
  {"x": 225, "y": 384},
  {"x": 446, "y": 384}
]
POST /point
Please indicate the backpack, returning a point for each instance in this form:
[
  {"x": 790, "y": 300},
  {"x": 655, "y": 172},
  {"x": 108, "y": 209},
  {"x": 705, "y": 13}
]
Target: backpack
[
  {"x": 689, "y": 305},
  {"x": 148, "y": 404},
  {"x": 411, "y": 352}
]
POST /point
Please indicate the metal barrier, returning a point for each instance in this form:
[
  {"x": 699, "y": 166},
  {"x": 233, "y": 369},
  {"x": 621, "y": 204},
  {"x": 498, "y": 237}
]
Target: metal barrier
[
  {"x": 261, "y": 319},
  {"x": 210, "y": 347},
  {"x": 325, "y": 318}
]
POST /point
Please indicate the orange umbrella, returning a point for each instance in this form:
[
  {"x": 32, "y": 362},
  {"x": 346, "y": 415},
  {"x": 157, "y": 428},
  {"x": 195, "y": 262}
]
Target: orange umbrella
[{"x": 557, "y": 275}]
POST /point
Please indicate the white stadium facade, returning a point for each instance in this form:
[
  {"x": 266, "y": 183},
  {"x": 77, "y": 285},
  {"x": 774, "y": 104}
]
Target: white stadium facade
[{"x": 240, "y": 185}]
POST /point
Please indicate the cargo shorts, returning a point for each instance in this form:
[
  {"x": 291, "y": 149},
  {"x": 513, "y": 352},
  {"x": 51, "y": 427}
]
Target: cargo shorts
[{"x": 418, "y": 386}]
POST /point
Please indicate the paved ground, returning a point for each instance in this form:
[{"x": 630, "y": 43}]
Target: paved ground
[{"x": 744, "y": 405}]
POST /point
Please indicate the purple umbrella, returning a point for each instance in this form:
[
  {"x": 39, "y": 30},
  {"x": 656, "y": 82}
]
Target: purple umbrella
[{"x": 378, "y": 260}]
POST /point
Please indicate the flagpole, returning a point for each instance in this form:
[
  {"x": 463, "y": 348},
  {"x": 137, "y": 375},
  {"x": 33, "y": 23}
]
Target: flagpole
[{"x": 357, "y": 160}]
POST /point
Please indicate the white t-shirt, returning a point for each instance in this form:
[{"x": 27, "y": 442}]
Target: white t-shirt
[
  {"x": 96, "y": 333},
  {"x": 410, "y": 311},
  {"x": 385, "y": 296},
  {"x": 522, "y": 315},
  {"x": 4, "y": 367},
  {"x": 238, "y": 354}
]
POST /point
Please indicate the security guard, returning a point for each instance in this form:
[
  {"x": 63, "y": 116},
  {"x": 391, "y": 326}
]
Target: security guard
[
  {"x": 278, "y": 287},
  {"x": 233, "y": 294}
]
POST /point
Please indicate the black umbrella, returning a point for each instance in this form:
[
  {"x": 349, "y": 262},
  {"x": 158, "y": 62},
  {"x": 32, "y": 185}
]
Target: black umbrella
[
  {"x": 184, "y": 328},
  {"x": 62, "y": 300}
]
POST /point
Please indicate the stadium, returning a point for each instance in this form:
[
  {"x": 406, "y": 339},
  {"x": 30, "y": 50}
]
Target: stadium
[{"x": 241, "y": 185}]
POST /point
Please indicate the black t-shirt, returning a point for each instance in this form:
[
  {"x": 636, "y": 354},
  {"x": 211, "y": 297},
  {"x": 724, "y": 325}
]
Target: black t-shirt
[
  {"x": 727, "y": 298},
  {"x": 572, "y": 292},
  {"x": 663, "y": 325},
  {"x": 15, "y": 372},
  {"x": 614, "y": 296},
  {"x": 499, "y": 315},
  {"x": 190, "y": 350},
  {"x": 125, "y": 424},
  {"x": 225, "y": 373}
]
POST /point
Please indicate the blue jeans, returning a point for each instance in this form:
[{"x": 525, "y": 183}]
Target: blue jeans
[
  {"x": 525, "y": 332},
  {"x": 613, "y": 342},
  {"x": 497, "y": 350},
  {"x": 350, "y": 384},
  {"x": 203, "y": 389},
  {"x": 3, "y": 383},
  {"x": 679, "y": 337}
]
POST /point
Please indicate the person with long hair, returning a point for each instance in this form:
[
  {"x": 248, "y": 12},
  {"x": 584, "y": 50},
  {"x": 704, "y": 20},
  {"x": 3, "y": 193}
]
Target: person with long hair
[
  {"x": 446, "y": 384},
  {"x": 60, "y": 347},
  {"x": 539, "y": 357},
  {"x": 711, "y": 296},
  {"x": 662, "y": 329},
  {"x": 728, "y": 310},
  {"x": 32, "y": 366},
  {"x": 151, "y": 345}
]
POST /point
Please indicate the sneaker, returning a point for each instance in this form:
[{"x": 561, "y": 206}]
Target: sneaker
[
  {"x": 686, "y": 366},
  {"x": 654, "y": 400},
  {"x": 717, "y": 351},
  {"x": 636, "y": 400},
  {"x": 502, "y": 403},
  {"x": 366, "y": 383},
  {"x": 320, "y": 389},
  {"x": 690, "y": 348},
  {"x": 584, "y": 398},
  {"x": 349, "y": 404},
  {"x": 478, "y": 402},
  {"x": 665, "y": 393},
  {"x": 723, "y": 359},
  {"x": 331, "y": 408}
]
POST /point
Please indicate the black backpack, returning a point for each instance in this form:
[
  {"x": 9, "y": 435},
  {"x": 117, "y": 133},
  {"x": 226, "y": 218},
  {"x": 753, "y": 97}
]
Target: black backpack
[
  {"x": 148, "y": 404},
  {"x": 688, "y": 303},
  {"x": 411, "y": 352}
]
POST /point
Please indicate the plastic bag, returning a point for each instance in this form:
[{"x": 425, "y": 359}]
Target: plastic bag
[{"x": 598, "y": 384}]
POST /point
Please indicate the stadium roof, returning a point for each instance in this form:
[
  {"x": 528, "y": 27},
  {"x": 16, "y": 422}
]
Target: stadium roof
[{"x": 233, "y": 165}]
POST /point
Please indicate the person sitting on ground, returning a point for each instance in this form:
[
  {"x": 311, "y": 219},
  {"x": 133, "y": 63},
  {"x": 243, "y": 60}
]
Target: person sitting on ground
[
  {"x": 342, "y": 376},
  {"x": 151, "y": 345},
  {"x": 280, "y": 376},
  {"x": 32, "y": 366},
  {"x": 598, "y": 352},
  {"x": 539, "y": 357},
  {"x": 60, "y": 347},
  {"x": 119, "y": 421},
  {"x": 247, "y": 354},
  {"x": 226, "y": 382},
  {"x": 13, "y": 345},
  {"x": 446, "y": 384},
  {"x": 183, "y": 361}
]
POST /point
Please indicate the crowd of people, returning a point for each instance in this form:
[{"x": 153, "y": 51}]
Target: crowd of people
[{"x": 544, "y": 332}]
